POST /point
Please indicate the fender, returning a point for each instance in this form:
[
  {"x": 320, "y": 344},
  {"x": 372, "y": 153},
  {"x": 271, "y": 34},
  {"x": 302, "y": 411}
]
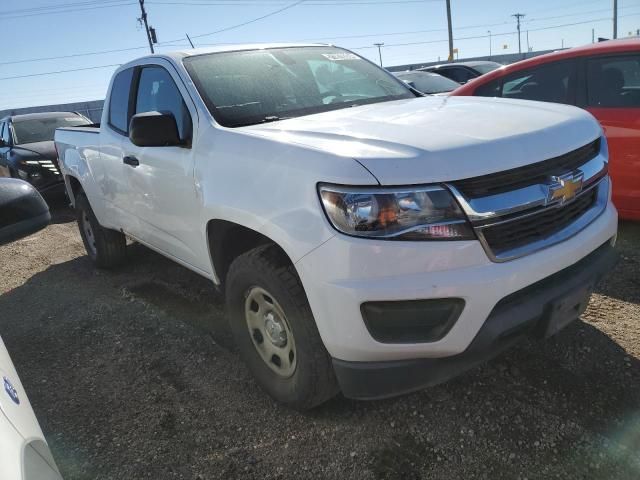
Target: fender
[{"x": 74, "y": 164}]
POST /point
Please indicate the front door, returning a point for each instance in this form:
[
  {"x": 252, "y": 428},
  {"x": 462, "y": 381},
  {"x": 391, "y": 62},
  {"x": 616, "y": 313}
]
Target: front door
[
  {"x": 613, "y": 97},
  {"x": 161, "y": 179}
]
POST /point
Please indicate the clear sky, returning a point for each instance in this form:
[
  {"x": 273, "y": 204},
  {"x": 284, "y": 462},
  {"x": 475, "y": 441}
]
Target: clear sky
[{"x": 412, "y": 30}]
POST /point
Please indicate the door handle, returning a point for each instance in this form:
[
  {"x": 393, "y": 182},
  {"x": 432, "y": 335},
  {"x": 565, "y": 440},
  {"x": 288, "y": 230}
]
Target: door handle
[{"x": 129, "y": 160}]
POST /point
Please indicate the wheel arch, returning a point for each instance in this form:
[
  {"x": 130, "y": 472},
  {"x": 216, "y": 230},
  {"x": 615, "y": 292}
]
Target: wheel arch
[
  {"x": 227, "y": 240},
  {"x": 73, "y": 187}
]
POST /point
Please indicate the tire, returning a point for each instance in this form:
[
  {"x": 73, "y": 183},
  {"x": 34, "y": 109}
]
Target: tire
[
  {"x": 306, "y": 379},
  {"x": 106, "y": 248}
]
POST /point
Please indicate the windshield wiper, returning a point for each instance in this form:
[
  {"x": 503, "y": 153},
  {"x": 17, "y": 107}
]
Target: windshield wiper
[
  {"x": 272, "y": 118},
  {"x": 267, "y": 119}
]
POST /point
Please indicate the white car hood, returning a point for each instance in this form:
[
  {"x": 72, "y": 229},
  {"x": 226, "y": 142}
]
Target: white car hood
[{"x": 437, "y": 139}]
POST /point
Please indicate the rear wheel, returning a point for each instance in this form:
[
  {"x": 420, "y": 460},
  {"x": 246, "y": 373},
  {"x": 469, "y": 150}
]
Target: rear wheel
[
  {"x": 107, "y": 248},
  {"x": 275, "y": 331}
]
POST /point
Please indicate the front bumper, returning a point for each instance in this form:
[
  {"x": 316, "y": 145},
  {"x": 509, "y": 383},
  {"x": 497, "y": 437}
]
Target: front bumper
[
  {"x": 345, "y": 272},
  {"x": 527, "y": 311}
]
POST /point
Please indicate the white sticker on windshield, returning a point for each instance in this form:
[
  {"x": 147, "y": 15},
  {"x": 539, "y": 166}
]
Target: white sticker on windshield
[{"x": 340, "y": 56}]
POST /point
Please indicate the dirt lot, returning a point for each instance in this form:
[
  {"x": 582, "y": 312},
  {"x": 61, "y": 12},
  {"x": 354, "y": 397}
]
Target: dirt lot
[{"x": 132, "y": 375}]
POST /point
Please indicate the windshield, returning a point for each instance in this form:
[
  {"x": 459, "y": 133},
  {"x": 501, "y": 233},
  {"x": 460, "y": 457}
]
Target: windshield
[
  {"x": 256, "y": 86},
  {"x": 486, "y": 67},
  {"x": 43, "y": 129},
  {"x": 429, "y": 83}
]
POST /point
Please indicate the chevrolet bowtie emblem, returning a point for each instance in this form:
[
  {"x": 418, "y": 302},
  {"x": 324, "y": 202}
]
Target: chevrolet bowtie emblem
[{"x": 565, "y": 187}]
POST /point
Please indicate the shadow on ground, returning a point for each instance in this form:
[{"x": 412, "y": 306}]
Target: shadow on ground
[{"x": 132, "y": 374}]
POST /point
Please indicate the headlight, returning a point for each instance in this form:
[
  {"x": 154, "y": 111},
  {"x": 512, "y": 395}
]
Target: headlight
[{"x": 409, "y": 213}]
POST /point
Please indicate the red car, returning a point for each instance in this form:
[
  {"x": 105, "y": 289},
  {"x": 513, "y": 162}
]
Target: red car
[{"x": 603, "y": 78}]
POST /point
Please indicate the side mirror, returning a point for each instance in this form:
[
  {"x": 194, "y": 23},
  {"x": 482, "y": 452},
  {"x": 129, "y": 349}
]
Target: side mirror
[
  {"x": 154, "y": 129},
  {"x": 23, "y": 211}
]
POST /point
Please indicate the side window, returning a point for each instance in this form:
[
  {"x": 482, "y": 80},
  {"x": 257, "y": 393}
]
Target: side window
[
  {"x": 119, "y": 101},
  {"x": 157, "y": 92},
  {"x": 4, "y": 132},
  {"x": 614, "y": 81},
  {"x": 547, "y": 83},
  {"x": 491, "y": 89},
  {"x": 457, "y": 74}
]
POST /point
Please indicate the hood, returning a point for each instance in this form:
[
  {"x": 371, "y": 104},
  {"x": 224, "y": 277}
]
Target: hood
[
  {"x": 437, "y": 139},
  {"x": 45, "y": 149}
]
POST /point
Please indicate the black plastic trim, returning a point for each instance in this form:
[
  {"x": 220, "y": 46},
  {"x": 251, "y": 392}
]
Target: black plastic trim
[
  {"x": 525, "y": 312},
  {"x": 411, "y": 321}
]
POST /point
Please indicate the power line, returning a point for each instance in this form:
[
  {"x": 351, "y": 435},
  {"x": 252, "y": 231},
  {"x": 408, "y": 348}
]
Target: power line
[
  {"x": 307, "y": 3},
  {"x": 270, "y": 14},
  {"x": 59, "y": 5},
  {"x": 72, "y": 10},
  {"x": 72, "y": 55},
  {"x": 60, "y": 71},
  {"x": 379, "y": 34},
  {"x": 493, "y": 34},
  {"x": 355, "y": 48}
]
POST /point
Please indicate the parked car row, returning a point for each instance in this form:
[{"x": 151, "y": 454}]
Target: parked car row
[{"x": 462, "y": 72}]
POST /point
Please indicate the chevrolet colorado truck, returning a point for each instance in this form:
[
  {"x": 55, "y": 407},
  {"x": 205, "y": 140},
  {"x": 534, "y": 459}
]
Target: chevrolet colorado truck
[{"x": 366, "y": 238}]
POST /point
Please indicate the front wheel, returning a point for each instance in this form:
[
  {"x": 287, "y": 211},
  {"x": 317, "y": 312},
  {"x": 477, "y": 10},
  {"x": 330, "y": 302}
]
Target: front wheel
[
  {"x": 275, "y": 331},
  {"x": 107, "y": 248}
]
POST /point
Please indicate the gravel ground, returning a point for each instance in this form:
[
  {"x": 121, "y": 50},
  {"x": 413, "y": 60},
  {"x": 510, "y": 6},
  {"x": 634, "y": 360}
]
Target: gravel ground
[{"x": 133, "y": 375}]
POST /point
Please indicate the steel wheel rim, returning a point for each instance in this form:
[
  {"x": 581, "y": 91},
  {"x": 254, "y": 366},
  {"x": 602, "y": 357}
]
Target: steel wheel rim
[
  {"x": 88, "y": 233},
  {"x": 270, "y": 332}
]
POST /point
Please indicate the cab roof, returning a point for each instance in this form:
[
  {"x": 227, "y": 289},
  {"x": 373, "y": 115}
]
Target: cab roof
[{"x": 180, "y": 54}]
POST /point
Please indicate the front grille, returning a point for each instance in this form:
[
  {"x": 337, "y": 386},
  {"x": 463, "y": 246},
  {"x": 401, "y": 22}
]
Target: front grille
[
  {"x": 536, "y": 173},
  {"x": 526, "y": 230}
]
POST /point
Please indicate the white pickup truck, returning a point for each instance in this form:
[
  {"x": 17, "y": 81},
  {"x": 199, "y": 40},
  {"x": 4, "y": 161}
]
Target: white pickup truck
[{"x": 366, "y": 238}]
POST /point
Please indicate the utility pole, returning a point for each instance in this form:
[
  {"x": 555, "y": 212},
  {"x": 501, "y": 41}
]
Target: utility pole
[
  {"x": 379, "y": 45},
  {"x": 146, "y": 25},
  {"x": 450, "y": 30},
  {"x": 615, "y": 19},
  {"x": 489, "y": 32},
  {"x": 528, "y": 49},
  {"x": 593, "y": 35},
  {"x": 518, "y": 17}
]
